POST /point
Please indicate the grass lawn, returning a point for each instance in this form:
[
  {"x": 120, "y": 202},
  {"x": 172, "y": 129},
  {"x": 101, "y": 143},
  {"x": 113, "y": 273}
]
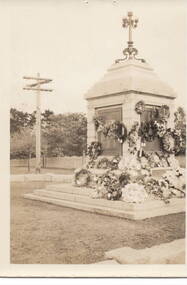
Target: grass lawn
[{"x": 44, "y": 233}]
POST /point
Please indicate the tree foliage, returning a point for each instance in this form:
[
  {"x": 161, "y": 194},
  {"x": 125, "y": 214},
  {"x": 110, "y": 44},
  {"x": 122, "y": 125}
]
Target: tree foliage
[
  {"x": 22, "y": 143},
  {"x": 66, "y": 134},
  {"x": 62, "y": 134},
  {"x": 180, "y": 124}
]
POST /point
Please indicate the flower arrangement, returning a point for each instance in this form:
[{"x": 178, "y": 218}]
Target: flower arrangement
[
  {"x": 124, "y": 178},
  {"x": 115, "y": 162},
  {"x": 176, "y": 181},
  {"x": 140, "y": 107},
  {"x": 99, "y": 122},
  {"x": 179, "y": 140},
  {"x": 130, "y": 161},
  {"x": 81, "y": 177},
  {"x": 91, "y": 163},
  {"x": 144, "y": 162},
  {"x": 158, "y": 189},
  {"x": 94, "y": 150},
  {"x": 134, "y": 193},
  {"x": 160, "y": 128},
  {"x": 108, "y": 186},
  {"x": 154, "y": 159},
  {"x": 133, "y": 137},
  {"x": 104, "y": 163}
]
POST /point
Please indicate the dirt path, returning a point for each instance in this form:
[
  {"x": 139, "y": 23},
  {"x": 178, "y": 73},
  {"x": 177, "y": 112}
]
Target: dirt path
[{"x": 44, "y": 233}]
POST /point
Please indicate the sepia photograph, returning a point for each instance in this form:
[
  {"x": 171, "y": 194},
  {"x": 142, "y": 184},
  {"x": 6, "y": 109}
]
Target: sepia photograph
[{"x": 97, "y": 145}]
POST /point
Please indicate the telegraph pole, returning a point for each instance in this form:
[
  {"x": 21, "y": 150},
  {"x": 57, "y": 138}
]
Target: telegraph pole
[{"x": 37, "y": 87}]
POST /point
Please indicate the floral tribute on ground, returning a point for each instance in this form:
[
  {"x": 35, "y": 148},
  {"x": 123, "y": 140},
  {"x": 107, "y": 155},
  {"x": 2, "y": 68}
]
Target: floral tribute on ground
[{"x": 129, "y": 178}]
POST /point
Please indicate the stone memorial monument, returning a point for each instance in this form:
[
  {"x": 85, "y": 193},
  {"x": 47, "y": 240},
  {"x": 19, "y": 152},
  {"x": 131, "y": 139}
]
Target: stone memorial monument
[{"x": 126, "y": 82}]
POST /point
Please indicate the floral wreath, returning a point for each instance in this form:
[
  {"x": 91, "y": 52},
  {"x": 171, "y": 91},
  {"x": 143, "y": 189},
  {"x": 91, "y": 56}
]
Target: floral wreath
[
  {"x": 113, "y": 129},
  {"x": 168, "y": 142},
  {"x": 118, "y": 131},
  {"x": 140, "y": 107},
  {"x": 81, "y": 177}
]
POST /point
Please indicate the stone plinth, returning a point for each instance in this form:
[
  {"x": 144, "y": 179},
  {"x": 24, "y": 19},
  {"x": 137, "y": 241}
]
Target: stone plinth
[{"x": 79, "y": 198}]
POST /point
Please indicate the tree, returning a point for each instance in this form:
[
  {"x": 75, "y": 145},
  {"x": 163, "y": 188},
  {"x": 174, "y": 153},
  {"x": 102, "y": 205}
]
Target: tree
[
  {"x": 66, "y": 134},
  {"x": 62, "y": 134},
  {"x": 20, "y": 120},
  {"x": 180, "y": 124},
  {"x": 22, "y": 144}
]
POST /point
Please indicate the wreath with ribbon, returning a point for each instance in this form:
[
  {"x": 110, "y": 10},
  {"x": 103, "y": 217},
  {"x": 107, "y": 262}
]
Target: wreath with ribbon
[
  {"x": 118, "y": 131},
  {"x": 113, "y": 129}
]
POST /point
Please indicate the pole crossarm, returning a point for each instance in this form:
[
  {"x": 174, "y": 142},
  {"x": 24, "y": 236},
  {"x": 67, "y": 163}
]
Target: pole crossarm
[
  {"x": 37, "y": 89},
  {"x": 38, "y": 83},
  {"x": 36, "y": 78}
]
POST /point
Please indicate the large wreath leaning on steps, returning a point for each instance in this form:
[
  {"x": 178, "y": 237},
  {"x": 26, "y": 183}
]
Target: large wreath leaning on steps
[{"x": 81, "y": 177}]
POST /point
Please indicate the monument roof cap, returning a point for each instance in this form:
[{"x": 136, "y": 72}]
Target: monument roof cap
[{"x": 130, "y": 75}]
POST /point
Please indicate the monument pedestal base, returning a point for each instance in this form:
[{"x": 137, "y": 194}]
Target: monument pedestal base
[{"x": 70, "y": 196}]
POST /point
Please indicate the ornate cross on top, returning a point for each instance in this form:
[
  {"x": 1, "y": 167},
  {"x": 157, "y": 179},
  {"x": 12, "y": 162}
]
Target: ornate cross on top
[
  {"x": 131, "y": 23},
  {"x": 130, "y": 52}
]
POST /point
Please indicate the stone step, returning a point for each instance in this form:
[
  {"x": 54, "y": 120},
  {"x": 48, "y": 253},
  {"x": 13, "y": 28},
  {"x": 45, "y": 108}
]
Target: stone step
[
  {"x": 83, "y": 207},
  {"x": 85, "y": 199},
  {"x": 69, "y": 188},
  {"x": 121, "y": 209},
  {"x": 83, "y": 194}
]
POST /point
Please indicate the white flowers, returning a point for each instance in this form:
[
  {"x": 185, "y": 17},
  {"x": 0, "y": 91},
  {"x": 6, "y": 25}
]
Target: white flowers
[
  {"x": 175, "y": 178},
  {"x": 134, "y": 193},
  {"x": 129, "y": 162}
]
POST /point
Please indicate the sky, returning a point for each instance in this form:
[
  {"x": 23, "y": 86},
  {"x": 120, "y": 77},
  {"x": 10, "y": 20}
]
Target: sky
[{"x": 74, "y": 42}]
